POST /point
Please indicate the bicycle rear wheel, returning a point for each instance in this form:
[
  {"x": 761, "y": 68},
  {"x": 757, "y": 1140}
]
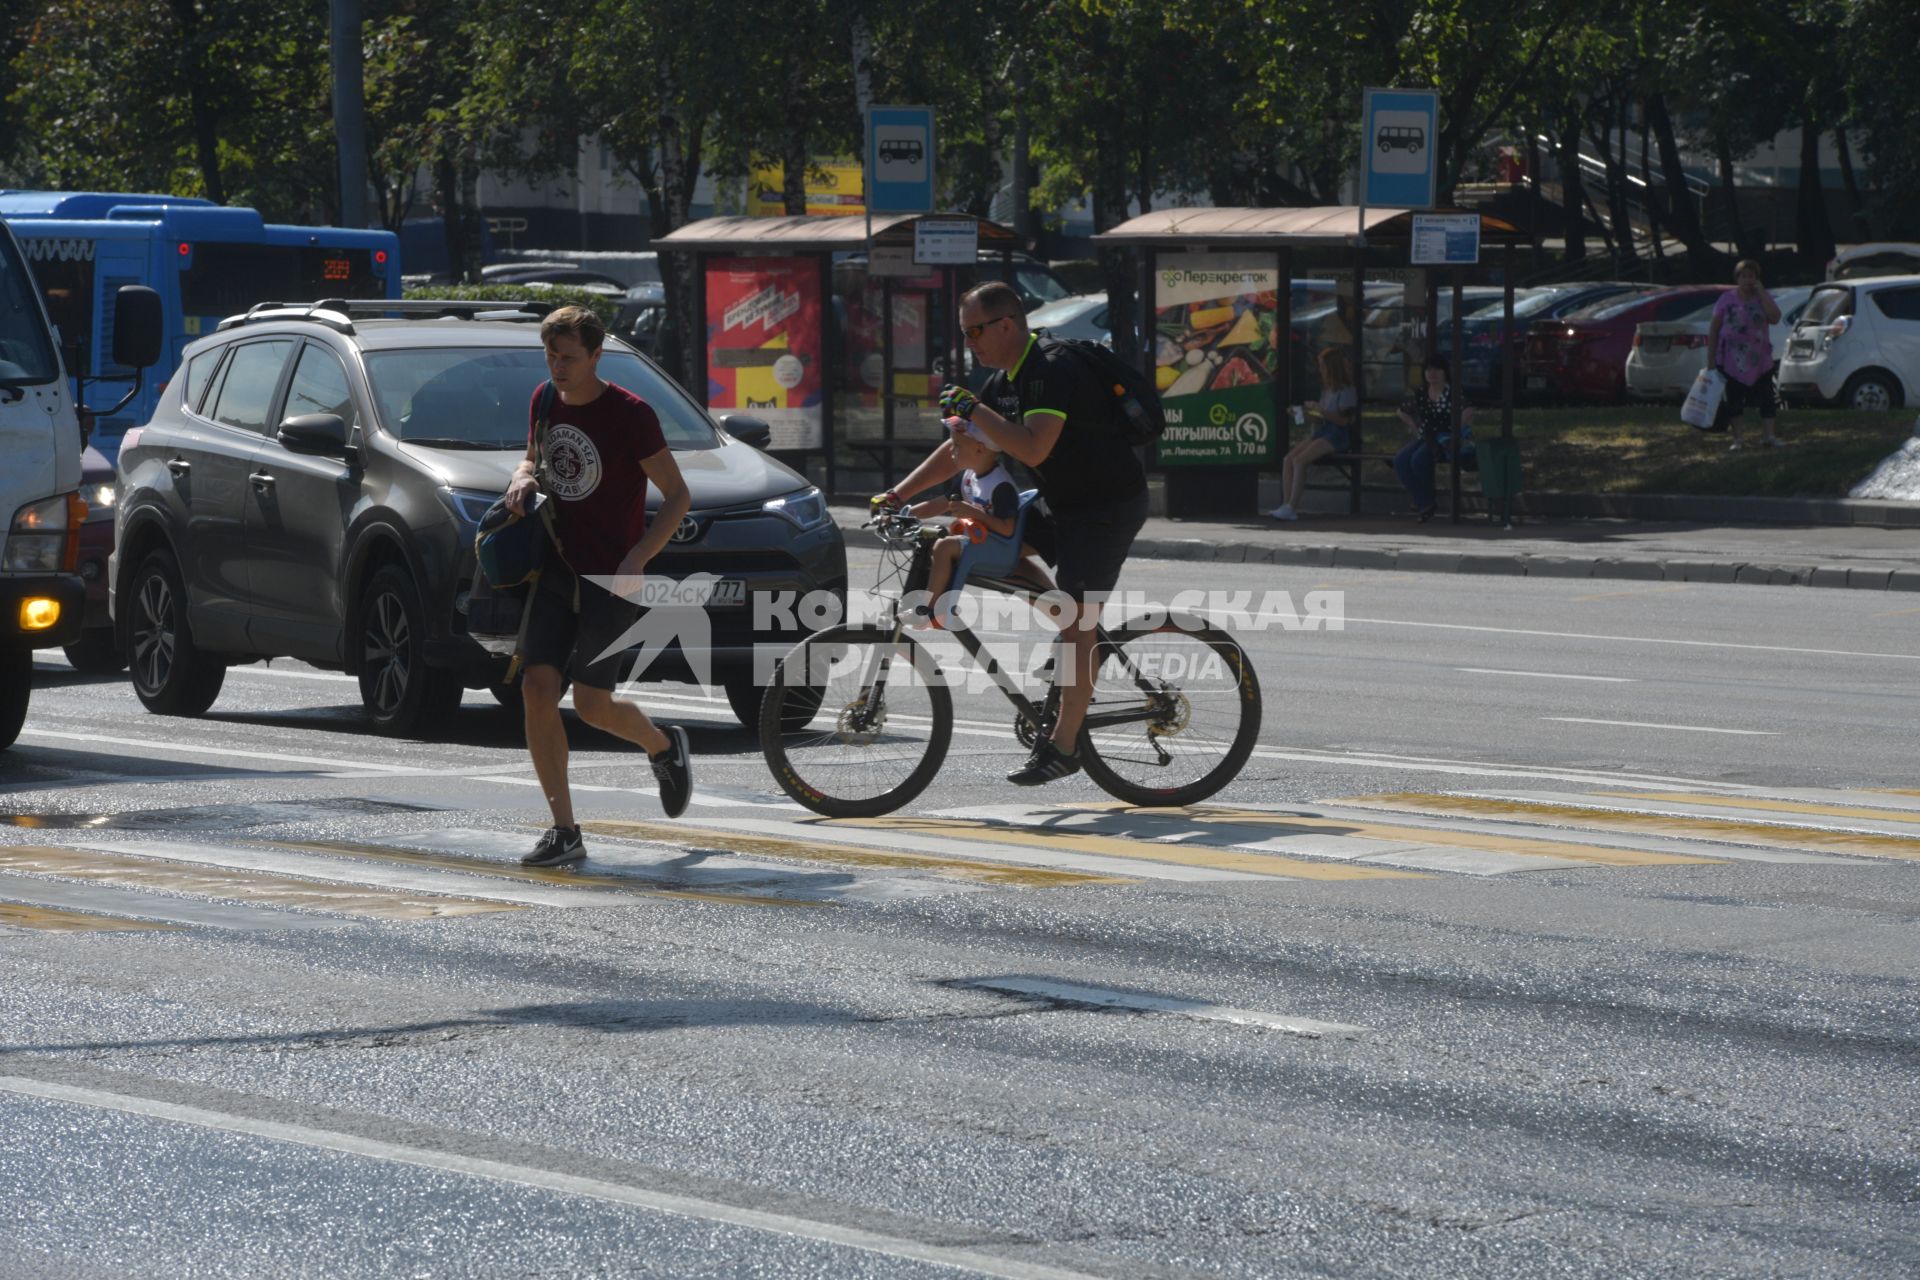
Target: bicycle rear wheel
[
  {"x": 1176, "y": 710},
  {"x": 880, "y": 734}
]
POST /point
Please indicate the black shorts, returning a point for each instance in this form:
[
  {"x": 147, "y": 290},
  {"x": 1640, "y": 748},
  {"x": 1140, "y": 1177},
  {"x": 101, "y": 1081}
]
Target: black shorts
[
  {"x": 574, "y": 642},
  {"x": 1087, "y": 548},
  {"x": 1763, "y": 395}
]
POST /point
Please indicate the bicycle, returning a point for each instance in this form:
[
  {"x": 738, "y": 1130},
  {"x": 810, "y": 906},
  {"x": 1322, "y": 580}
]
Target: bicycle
[{"x": 858, "y": 718}]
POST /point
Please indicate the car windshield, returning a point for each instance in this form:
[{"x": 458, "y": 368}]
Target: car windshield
[
  {"x": 1618, "y": 307},
  {"x": 1827, "y": 305},
  {"x": 1036, "y": 283},
  {"x": 26, "y": 354},
  {"x": 476, "y": 398},
  {"x": 1535, "y": 303},
  {"x": 1065, "y": 311}
]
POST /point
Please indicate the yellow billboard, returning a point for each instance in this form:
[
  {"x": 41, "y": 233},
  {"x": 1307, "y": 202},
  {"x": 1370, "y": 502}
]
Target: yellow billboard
[{"x": 835, "y": 186}]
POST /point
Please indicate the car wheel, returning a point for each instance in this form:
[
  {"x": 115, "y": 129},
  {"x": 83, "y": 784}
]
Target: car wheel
[
  {"x": 403, "y": 696},
  {"x": 16, "y": 685},
  {"x": 1871, "y": 391},
  {"x": 95, "y": 653},
  {"x": 171, "y": 676}
]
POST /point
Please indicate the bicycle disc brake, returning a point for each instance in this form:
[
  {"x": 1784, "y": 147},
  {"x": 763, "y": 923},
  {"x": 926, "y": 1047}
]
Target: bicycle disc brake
[{"x": 859, "y": 726}]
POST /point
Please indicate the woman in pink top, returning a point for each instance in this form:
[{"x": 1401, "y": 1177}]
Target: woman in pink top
[{"x": 1743, "y": 352}]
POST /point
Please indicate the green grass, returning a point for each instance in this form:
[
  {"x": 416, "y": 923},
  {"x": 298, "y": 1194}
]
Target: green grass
[{"x": 1647, "y": 449}]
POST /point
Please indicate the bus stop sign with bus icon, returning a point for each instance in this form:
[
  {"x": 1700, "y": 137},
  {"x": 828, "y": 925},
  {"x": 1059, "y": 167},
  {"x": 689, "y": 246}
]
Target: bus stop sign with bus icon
[
  {"x": 1399, "y": 156},
  {"x": 900, "y": 159}
]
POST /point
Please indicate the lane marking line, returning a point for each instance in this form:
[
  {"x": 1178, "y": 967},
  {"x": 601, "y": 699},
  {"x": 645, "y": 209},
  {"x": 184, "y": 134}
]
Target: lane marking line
[
  {"x": 111, "y": 900},
  {"x": 20, "y": 915},
  {"x": 1581, "y": 635},
  {"x": 1143, "y": 1002},
  {"x": 267, "y": 889},
  {"x": 149, "y": 744},
  {"x": 543, "y": 1179},
  {"x": 1904, "y": 818},
  {"x": 1780, "y": 835},
  {"x": 1641, "y": 591},
  {"x": 807, "y": 847},
  {"x": 1546, "y": 675},
  {"x": 1677, "y": 728}
]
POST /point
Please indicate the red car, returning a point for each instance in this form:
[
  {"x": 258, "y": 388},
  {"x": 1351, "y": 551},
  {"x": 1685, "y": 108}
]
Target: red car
[{"x": 1584, "y": 356}]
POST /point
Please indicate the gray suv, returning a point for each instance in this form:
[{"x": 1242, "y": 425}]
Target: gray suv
[{"x": 309, "y": 485}]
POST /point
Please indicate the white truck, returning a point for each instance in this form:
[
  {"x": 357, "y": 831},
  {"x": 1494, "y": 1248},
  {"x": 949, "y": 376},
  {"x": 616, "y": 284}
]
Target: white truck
[{"x": 41, "y": 597}]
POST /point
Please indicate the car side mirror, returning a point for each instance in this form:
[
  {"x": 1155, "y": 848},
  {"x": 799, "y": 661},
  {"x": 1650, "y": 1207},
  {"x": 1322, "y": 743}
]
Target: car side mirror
[
  {"x": 748, "y": 429},
  {"x": 136, "y": 327},
  {"x": 315, "y": 433}
]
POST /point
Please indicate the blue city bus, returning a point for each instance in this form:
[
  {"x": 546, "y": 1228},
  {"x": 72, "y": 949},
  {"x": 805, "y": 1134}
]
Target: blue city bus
[{"x": 206, "y": 261}]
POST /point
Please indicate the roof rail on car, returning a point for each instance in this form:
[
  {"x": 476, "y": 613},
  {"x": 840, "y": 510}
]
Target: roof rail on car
[{"x": 338, "y": 313}]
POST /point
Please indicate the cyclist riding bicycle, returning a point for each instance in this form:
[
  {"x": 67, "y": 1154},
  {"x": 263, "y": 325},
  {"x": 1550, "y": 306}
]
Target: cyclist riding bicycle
[{"x": 1044, "y": 408}]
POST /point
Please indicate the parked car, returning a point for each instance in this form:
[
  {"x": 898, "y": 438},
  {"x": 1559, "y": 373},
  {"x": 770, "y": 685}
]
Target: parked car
[
  {"x": 1584, "y": 356},
  {"x": 1668, "y": 355},
  {"x": 1885, "y": 258},
  {"x": 642, "y": 316},
  {"x": 1857, "y": 344},
  {"x": 310, "y": 485},
  {"x": 1080, "y": 315},
  {"x": 565, "y": 274},
  {"x": 1488, "y": 340}
]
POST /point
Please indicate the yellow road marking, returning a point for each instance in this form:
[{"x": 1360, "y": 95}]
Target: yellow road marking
[
  {"x": 532, "y": 875},
  {"x": 1896, "y": 791},
  {"x": 1266, "y": 864},
  {"x": 53, "y": 920},
  {"x": 1756, "y": 833},
  {"x": 1897, "y": 613},
  {"x": 249, "y": 886},
  {"x": 1769, "y": 806},
  {"x": 763, "y": 845}
]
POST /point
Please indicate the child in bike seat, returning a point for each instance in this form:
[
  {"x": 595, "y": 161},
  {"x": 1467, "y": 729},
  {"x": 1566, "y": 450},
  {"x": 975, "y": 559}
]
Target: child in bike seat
[{"x": 990, "y": 501}]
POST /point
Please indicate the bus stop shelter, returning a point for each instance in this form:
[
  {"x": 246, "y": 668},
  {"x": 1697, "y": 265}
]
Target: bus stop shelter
[
  {"x": 839, "y": 342},
  {"x": 1219, "y": 291}
]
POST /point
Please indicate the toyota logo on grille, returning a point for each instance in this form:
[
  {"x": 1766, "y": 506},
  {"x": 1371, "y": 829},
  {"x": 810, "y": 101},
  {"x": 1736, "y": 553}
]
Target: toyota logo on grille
[{"x": 689, "y": 530}]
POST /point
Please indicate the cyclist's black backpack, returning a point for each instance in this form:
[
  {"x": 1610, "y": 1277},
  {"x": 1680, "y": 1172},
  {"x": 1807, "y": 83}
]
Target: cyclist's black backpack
[{"x": 1136, "y": 402}]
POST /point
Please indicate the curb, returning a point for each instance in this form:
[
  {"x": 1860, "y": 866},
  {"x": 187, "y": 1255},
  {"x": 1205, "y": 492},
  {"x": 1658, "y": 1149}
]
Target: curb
[{"x": 1511, "y": 564}]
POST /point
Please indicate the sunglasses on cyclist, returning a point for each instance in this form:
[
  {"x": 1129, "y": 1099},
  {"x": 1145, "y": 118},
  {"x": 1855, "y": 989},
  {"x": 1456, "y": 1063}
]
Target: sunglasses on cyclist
[{"x": 973, "y": 331}]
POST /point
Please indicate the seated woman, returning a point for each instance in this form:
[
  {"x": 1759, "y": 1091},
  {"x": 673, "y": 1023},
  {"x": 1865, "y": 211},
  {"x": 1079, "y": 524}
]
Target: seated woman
[
  {"x": 1428, "y": 413},
  {"x": 1338, "y": 404}
]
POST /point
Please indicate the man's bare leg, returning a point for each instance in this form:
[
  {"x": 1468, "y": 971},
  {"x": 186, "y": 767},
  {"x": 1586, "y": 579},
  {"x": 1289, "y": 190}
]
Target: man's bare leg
[
  {"x": 617, "y": 716},
  {"x": 1079, "y": 642},
  {"x": 540, "y": 690}
]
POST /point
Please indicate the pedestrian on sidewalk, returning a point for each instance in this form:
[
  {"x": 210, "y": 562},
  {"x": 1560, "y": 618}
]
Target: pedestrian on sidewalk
[
  {"x": 1742, "y": 350},
  {"x": 600, "y": 447},
  {"x": 1428, "y": 414},
  {"x": 1338, "y": 403}
]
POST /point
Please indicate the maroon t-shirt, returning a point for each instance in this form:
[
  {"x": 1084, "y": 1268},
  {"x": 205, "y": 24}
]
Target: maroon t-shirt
[{"x": 594, "y": 472}]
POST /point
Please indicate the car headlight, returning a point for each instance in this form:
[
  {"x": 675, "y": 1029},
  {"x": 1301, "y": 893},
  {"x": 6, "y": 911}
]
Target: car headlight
[
  {"x": 37, "y": 540},
  {"x": 468, "y": 505},
  {"x": 100, "y": 499},
  {"x": 805, "y": 510}
]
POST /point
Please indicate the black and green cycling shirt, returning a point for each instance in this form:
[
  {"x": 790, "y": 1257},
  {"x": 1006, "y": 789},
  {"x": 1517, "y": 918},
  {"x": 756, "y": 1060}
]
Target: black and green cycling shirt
[{"x": 1092, "y": 465}]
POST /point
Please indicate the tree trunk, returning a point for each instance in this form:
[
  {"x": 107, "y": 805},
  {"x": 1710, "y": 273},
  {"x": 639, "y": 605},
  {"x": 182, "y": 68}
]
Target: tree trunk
[
  {"x": 1742, "y": 234},
  {"x": 206, "y": 122},
  {"x": 1620, "y": 237},
  {"x": 1572, "y": 194},
  {"x": 470, "y": 231},
  {"x": 1678, "y": 210},
  {"x": 793, "y": 139},
  {"x": 1812, "y": 230},
  {"x": 1109, "y": 211},
  {"x": 1862, "y": 225},
  {"x": 446, "y": 189},
  {"x": 1022, "y": 153}
]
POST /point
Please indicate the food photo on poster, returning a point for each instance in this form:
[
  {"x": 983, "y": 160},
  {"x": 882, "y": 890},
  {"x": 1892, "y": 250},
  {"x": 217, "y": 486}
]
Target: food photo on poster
[{"x": 1214, "y": 321}]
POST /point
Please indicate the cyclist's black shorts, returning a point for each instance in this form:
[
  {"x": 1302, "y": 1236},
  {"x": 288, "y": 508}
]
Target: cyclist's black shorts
[
  {"x": 574, "y": 642},
  {"x": 1087, "y": 548}
]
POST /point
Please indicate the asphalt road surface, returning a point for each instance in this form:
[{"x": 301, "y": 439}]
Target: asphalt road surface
[{"x": 1555, "y": 928}]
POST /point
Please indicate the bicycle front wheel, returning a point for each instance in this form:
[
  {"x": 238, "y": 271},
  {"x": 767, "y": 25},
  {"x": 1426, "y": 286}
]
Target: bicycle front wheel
[
  {"x": 881, "y": 730},
  {"x": 1175, "y": 712}
]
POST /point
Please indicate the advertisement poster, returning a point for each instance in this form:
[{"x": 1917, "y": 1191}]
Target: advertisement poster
[
  {"x": 835, "y": 186},
  {"x": 1214, "y": 319},
  {"x": 764, "y": 345}
]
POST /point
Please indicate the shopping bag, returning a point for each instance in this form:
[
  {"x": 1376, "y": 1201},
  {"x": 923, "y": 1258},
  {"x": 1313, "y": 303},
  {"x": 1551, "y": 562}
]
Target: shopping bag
[{"x": 1703, "y": 401}]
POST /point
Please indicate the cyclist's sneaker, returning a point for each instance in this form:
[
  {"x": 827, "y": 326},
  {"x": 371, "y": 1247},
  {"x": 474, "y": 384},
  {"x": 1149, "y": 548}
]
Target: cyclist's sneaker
[
  {"x": 1047, "y": 763},
  {"x": 673, "y": 770},
  {"x": 557, "y": 848}
]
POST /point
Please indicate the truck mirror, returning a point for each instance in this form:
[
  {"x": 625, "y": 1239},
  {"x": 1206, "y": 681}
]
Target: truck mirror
[{"x": 136, "y": 327}]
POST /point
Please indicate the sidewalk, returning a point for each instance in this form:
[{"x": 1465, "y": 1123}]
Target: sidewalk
[{"x": 1678, "y": 550}]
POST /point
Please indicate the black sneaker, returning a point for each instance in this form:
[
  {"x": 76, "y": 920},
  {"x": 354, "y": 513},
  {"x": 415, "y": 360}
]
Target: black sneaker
[
  {"x": 1045, "y": 764},
  {"x": 673, "y": 770},
  {"x": 558, "y": 847}
]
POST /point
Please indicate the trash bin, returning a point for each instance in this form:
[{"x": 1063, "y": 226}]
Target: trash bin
[
  {"x": 1500, "y": 479},
  {"x": 1195, "y": 493}
]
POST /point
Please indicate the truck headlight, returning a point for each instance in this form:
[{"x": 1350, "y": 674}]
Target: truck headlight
[{"x": 40, "y": 539}]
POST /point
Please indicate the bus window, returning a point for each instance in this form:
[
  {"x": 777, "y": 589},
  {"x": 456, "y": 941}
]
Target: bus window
[
  {"x": 67, "y": 286},
  {"x": 226, "y": 279}
]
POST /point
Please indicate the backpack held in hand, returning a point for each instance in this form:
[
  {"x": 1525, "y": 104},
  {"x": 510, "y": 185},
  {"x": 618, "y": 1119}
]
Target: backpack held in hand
[
  {"x": 1136, "y": 403},
  {"x": 509, "y": 552}
]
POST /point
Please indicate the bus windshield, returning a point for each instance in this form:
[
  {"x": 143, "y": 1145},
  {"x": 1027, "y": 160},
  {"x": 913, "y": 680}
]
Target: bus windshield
[
  {"x": 477, "y": 398},
  {"x": 26, "y": 354}
]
